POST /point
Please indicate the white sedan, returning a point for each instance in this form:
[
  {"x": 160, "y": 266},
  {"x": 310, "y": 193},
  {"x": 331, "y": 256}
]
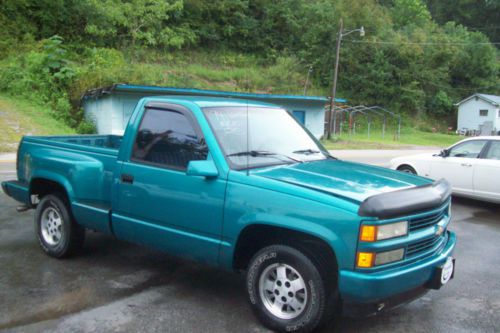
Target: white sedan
[{"x": 472, "y": 166}]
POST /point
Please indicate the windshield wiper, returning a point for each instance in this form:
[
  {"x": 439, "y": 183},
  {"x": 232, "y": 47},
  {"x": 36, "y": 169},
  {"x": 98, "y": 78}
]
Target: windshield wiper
[
  {"x": 263, "y": 153},
  {"x": 313, "y": 151},
  {"x": 306, "y": 151}
]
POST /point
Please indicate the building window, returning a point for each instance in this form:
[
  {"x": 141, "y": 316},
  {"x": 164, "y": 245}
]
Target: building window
[
  {"x": 483, "y": 113},
  {"x": 498, "y": 113},
  {"x": 300, "y": 116}
]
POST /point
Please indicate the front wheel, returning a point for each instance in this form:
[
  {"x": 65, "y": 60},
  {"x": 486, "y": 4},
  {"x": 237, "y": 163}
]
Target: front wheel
[{"x": 286, "y": 290}]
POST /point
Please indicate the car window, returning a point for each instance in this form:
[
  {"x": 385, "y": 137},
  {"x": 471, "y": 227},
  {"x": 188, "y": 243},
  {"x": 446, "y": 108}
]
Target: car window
[
  {"x": 169, "y": 139},
  {"x": 494, "y": 151},
  {"x": 469, "y": 149}
]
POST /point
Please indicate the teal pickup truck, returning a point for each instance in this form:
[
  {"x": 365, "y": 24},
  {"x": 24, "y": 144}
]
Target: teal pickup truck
[{"x": 242, "y": 185}]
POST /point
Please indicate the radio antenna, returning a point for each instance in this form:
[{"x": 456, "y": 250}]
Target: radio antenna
[{"x": 248, "y": 145}]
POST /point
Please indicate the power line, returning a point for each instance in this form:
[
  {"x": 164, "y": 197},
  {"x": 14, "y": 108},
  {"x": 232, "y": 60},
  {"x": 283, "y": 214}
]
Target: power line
[
  {"x": 494, "y": 28},
  {"x": 420, "y": 43},
  {"x": 458, "y": 88}
]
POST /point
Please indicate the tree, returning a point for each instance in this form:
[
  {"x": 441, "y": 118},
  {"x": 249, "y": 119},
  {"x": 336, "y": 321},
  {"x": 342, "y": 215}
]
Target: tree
[
  {"x": 410, "y": 11},
  {"x": 477, "y": 15},
  {"x": 133, "y": 22}
]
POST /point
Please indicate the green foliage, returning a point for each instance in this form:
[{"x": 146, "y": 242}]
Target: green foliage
[
  {"x": 478, "y": 15},
  {"x": 86, "y": 127},
  {"x": 138, "y": 22},
  {"x": 441, "y": 104},
  {"x": 20, "y": 117},
  {"x": 407, "y": 61},
  {"x": 43, "y": 74},
  {"x": 410, "y": 11}
]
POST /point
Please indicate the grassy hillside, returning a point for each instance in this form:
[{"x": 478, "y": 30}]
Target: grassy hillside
[
  {"x": 219, "y": 70},
  {"x": 18, "y": 118},
  {"x": 205, "y": 70}
]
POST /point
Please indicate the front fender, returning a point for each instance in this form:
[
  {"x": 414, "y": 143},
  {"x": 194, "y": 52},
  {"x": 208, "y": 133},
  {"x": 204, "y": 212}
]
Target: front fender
[
  {"x": 249, "y": 205},
  {"x": 291, "y": 223}
]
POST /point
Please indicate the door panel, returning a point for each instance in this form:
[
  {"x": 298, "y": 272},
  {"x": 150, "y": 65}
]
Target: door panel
[
  {"x": 487, "y": 173},
  {"x": 458, "y": 166},
  {"x": 159, "y": 205},
  {"x": 458, "y": 171},
  {"x": 171, "y": 211}
]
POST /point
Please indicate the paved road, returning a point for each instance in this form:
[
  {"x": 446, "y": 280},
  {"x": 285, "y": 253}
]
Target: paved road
[
  {"x": 117, "y": 286},
  {"x": 378, "y": 157}
]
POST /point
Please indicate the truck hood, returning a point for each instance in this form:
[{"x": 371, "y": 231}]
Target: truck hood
[{"x": 352, "y": 181}]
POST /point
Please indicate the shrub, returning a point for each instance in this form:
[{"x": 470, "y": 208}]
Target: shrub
[{"x": 86, "y": 127}]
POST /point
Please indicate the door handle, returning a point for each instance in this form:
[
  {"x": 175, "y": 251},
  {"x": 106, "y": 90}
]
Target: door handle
[
  {"x": 466, "y": 164},
  {"x": 126, "y": 178}
]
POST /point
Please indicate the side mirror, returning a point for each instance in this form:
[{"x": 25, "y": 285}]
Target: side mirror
[
  {"x": 444, "y": 153},
  {"x": 204, "y": 168}
]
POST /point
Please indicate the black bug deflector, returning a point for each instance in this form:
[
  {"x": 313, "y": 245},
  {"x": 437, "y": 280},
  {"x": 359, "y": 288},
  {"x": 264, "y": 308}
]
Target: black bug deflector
[{"x": 406, "y": 201}]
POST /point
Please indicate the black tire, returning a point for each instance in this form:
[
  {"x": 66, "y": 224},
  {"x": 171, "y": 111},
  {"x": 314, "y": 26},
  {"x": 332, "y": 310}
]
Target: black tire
[
  {"x": 407, "y": 169},
  {"x": 71, "y": 234},
  {"x": 314, "y": 309}
]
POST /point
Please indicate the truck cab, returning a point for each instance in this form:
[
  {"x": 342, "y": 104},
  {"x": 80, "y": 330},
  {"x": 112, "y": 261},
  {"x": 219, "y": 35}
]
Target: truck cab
[{"x": 242, "y": 185}]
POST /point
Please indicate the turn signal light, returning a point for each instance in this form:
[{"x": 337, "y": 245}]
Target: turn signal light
[
  {"x": 368, "y": 233},
  {"x": 370, "y": 259},
  {"x": 365, "y": 259}
]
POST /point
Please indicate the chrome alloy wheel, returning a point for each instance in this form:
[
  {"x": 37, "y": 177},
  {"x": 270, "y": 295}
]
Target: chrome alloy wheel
[
  {"x": 51, "y": 225},
  {"x": 283, "y": 291}
]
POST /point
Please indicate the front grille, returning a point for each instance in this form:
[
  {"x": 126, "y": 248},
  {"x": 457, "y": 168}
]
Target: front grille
[
  {"x": 427, "y": 221},
  {"x": 426, "y": 245}
]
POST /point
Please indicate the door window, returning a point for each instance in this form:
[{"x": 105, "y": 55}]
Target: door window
[
  {"x": 494, "y": 151},
  {"x": 469, "y": 149},
  {"x": 168, "y": 138}
]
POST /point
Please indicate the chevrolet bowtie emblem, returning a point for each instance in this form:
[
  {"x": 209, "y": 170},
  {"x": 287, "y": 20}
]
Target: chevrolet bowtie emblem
[{"x": 439, "y": 230}]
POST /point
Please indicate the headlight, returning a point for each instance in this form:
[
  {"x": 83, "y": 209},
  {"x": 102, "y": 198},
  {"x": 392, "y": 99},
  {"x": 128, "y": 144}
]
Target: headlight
[{"x": 372, "y": 233}]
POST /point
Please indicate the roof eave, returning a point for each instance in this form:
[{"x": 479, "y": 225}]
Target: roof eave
[
  {"x": 200, "y": 92},
  {"x": 478, "y": 96}
]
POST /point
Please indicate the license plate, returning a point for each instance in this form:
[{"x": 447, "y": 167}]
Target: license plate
[{"x": 447, "y": 270}]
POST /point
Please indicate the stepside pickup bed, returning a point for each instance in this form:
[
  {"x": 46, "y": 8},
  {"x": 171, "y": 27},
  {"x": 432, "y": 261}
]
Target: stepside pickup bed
[{"x": 242, "y": 185}]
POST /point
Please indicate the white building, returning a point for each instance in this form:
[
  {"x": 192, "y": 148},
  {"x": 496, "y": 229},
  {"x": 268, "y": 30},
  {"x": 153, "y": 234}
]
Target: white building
[
  {"x": 111, "y": 107},
  {"x": 479, "y": 113}
]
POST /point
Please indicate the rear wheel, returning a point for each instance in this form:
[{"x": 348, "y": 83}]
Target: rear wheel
[
  {"x": 58, "y": 234},
  {"x": 407, "y": 169},
  {"x": 286, "y": 290}
]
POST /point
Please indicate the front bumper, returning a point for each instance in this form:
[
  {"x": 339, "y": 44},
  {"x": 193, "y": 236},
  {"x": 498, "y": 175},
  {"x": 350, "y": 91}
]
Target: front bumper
[{"x": 403, "y": 283}]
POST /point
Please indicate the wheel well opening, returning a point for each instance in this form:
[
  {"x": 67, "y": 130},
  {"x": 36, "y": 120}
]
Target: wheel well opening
[
  {"x": 255, "y": 237},
  {"x": 41, "y": 187},
  {"x": 405, "y": 166}
]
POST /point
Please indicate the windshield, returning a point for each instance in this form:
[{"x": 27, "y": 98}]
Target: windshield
[{"x": 274, "y": 137}]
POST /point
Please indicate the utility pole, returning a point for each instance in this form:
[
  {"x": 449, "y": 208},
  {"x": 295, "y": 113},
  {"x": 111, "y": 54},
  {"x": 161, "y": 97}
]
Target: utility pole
[
  {"x": 334, "y": 86},
  {"x": 332, "y": 114},
  {"x": 307, "y": 79}
]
